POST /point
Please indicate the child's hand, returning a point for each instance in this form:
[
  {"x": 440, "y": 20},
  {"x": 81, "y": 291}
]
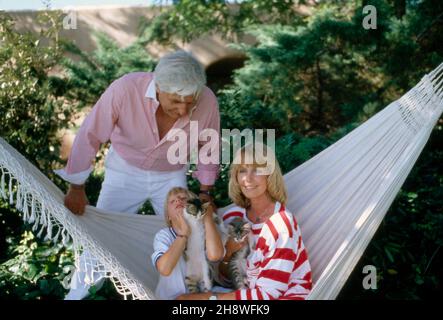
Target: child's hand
[
  {"x": 178, "y": 221},
  {"x": 182, "y": 226}
]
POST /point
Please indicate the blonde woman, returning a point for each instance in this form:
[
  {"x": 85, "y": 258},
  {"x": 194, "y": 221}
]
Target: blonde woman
[{"x": 278, "y": 266}]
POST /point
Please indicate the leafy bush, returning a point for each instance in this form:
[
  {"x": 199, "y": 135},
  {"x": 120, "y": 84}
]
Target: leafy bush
[
  {"x": 188, "y": 19},
  {"x": 37, "y": 270},
  {"x": 90, "y": 74},
  {"x": 34, "y": 106},
  {"x": 32, "y": 113},
  {"x": 30, "y": 109}
]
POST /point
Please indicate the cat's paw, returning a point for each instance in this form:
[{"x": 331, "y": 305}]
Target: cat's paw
[
  {"x": 204, "y": 286},
  {"x": 192, "y": 285}
]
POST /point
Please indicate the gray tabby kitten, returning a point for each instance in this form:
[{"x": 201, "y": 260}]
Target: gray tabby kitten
[
  {"x": 198, "y": 276},
  {"x": 239, "y": 230}
]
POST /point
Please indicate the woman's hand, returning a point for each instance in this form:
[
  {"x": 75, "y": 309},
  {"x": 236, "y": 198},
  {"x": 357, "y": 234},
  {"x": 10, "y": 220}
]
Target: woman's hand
[
  {"x": 204, "y": 198},
  {"x": 233, "y": 246}
]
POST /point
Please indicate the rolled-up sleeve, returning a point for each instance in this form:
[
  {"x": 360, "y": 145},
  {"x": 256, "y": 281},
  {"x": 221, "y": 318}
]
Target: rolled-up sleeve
[
  {"x": 95, "y": 130},
  {"x": 162, "y": 242}
]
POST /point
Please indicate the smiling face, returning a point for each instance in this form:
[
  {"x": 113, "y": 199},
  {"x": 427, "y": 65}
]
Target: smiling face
[
  {"x": 253, "y": 174},
  {"x": 252, "y": 184},
  {"x": 175, "y": 106}
]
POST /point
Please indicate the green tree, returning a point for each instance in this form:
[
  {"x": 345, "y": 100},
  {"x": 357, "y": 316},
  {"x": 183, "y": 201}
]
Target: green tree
[
  {"x": 188, "y": 19},
  {"x": 32, "y": 112},
  {"x": 88, "y": 76}
]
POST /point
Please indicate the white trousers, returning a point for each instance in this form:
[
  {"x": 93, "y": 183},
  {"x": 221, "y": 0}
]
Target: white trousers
[{"x": 125, "y": 189}]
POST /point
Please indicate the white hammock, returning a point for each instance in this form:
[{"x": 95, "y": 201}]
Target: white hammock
[{"x": 339, "y": 198}]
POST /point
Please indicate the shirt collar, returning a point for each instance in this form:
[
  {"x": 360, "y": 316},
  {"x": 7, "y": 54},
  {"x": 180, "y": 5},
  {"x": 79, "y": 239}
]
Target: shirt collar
[{"x": 151, "y": 92}]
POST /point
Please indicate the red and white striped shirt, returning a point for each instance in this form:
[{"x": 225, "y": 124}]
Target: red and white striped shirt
[{"x": 278, "y": 266}]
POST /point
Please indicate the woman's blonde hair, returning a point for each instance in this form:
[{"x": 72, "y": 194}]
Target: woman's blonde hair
[
  {"x": 172, "y": 192},
  {"x": 268, "y": 164}
]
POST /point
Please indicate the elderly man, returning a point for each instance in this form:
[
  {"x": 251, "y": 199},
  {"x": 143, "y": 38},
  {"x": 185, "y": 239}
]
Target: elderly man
[{"x": 136, "y": 113}]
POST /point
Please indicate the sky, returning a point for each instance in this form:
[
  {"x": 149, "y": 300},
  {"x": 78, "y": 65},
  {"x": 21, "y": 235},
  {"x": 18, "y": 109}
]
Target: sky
[{"x": 10, "y": 5}]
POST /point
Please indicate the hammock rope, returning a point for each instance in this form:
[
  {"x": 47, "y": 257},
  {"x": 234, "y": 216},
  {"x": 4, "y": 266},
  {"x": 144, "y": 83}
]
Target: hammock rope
[{"x": 339, "y": 197}]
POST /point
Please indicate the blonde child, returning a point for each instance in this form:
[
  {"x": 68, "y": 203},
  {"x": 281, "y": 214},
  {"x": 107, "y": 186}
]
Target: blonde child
[{"x": 170, "y": 243}]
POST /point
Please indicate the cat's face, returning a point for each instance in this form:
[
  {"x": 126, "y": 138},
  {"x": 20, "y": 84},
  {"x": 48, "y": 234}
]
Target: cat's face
[
  {"x": 239, "y": 229},
  {"x": 195, "y": 208}
]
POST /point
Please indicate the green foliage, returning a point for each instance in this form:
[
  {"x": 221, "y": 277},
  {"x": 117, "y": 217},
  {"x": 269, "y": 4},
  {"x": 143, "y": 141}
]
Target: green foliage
[
  {"x": 30, "y": 109},
  {"x": 41, "y": 270},
  {"x": 314, "y": 77},
  {"x": 189, "y": 19},
  {"x": 292, "y": 150},
  {"x": 37, "y": 270},
  {"x": 32, "y": 113},
  {"x": 90, "y": 74}
]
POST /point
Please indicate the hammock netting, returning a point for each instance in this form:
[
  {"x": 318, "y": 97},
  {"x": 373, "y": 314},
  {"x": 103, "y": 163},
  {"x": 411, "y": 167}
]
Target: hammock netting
[{"x": 339, "y": 198}]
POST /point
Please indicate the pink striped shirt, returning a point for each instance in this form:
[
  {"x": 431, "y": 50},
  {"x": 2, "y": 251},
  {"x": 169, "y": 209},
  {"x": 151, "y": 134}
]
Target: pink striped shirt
[
  {"x": 125, "y": 115},
  {"x": 278, "y": 267}
]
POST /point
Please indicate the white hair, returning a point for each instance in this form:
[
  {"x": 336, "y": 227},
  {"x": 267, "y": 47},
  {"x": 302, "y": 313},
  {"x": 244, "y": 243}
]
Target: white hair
[{"x": 180, "y": 73}]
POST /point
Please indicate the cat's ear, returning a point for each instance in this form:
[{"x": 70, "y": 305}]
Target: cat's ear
[
  {"x": 206, "y": 205},
  {"x": 191, "y": 195}
]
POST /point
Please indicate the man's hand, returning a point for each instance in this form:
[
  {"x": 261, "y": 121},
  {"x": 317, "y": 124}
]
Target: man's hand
[
  {"x": 76, "y": 200},
  {"x": 205, "y": 197},
  {"x": 208, "y": 210}
]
